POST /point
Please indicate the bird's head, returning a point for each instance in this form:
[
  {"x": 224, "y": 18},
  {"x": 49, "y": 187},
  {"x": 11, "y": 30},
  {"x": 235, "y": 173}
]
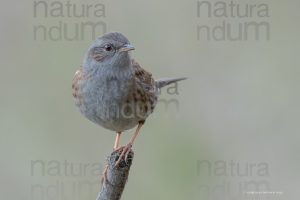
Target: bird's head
[{"x": 111, "y": 51}]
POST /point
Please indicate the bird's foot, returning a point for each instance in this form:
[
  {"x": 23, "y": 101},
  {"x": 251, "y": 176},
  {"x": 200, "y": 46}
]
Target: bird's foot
[
  {"x": 125, "y": 151},
  {"x": 104, "y": 175}
]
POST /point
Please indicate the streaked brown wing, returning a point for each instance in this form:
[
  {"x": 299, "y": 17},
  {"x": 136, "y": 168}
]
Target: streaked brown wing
[
  {"x": 145, "y": 90},
  {"x": 75, "y": 82},
  {"x": 143, "y": 77}
]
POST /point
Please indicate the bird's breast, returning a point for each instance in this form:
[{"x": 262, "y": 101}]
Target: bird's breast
[{"x": 104, "y": 102}]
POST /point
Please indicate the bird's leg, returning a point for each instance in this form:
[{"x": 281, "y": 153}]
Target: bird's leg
[
  {"x": 117, "y": 141},
  {"x": 116, "y": 146},
  {"x": 126, "y": 149}
]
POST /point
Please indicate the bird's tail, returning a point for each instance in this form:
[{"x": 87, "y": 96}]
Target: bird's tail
[{"x": 166, "y": 81}]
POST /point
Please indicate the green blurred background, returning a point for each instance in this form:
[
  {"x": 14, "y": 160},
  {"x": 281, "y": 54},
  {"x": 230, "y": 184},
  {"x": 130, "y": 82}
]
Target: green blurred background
[{"x": 240, "y": 104}]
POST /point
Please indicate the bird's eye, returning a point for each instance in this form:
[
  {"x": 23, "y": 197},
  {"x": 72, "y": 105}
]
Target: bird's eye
[{"x": 108, "y": 47}]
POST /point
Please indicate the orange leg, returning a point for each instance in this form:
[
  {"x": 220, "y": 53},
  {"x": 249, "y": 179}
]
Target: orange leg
[
  {"x": 126, "y": 149},
  {"x": 117, "y": 141},
  {"x": 116, "y": 146}
]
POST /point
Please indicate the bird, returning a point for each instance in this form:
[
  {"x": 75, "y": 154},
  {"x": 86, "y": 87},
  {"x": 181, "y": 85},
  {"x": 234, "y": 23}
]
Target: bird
[{"x": 112, "y": 90}]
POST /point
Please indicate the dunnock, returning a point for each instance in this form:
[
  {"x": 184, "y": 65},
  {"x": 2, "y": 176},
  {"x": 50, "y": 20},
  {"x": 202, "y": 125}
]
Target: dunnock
[{"x": 113, "y": 90}]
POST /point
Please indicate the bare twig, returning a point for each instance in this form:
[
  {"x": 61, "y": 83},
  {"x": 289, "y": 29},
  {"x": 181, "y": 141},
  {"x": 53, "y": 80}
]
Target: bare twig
[{"x": 117, "y": 176}]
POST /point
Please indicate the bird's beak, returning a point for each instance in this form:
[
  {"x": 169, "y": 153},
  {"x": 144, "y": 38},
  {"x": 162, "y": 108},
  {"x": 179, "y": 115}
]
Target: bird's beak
[{"x": 126, "y": 47}]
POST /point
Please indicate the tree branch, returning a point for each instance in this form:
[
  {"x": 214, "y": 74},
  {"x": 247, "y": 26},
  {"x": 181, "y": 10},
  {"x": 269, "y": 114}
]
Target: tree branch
[{"x": 117, "y": 176}]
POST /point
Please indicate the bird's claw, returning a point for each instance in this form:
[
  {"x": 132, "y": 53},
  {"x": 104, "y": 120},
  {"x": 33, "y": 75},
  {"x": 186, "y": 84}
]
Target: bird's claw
[{"x": 125, "y": 152}]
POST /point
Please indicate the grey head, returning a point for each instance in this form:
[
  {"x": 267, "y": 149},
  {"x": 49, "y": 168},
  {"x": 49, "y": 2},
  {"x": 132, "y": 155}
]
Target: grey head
[{"x": 109, "y": 53}]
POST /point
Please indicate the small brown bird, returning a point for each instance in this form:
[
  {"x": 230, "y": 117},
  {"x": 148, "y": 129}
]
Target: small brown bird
[{"x": 113, "y": 90}]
